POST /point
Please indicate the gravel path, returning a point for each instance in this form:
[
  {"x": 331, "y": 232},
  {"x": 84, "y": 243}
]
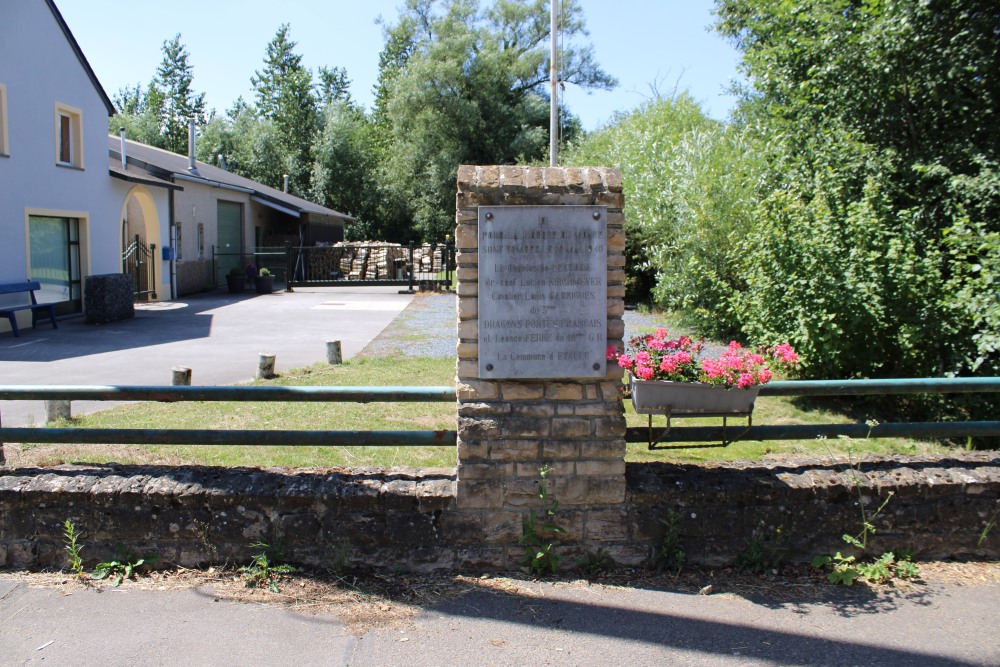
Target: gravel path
[{"x": 426, "y": 328}]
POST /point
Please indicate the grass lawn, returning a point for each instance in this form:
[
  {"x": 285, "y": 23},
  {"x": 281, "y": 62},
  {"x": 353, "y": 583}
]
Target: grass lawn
[{"x": 394, "y": 370}]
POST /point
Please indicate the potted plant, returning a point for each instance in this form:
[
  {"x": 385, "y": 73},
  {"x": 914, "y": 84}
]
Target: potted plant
[
  {"x": 671, "y": 377},
  {"x": 264, "y": 282},
  {"x": 236, "y": 280}
]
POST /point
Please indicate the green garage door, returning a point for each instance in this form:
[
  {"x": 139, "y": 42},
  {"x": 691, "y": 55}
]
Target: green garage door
[{"x": 230, "y": 235}]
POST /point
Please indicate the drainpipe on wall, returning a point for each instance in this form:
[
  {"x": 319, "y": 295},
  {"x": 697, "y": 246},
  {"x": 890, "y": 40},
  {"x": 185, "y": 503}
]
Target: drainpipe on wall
[
  {"x": 121, "y": 133},
  {"x": 173, "y": 228},
  {"x": 192, "y": 166}
]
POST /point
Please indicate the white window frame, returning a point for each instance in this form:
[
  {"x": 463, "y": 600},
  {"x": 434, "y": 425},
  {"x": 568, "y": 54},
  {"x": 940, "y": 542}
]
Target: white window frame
[{"x": 73, "y": 123}]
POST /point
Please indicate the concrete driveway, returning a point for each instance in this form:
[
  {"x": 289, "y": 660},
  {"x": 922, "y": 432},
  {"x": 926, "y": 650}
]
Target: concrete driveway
[{"x": 218, "y": 335}]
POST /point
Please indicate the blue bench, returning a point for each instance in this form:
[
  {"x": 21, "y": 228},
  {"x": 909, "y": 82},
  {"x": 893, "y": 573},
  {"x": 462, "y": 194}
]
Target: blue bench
[{"x": 29, "y": 287}]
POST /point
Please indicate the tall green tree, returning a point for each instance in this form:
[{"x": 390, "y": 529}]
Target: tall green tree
[
  {"x": 465, "y": 84},
  {"x": 172, "y": 97},
  {"x": 285, "y": 97},
  {"x": 884, "y": 209}
]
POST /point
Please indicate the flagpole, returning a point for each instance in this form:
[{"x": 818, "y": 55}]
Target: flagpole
[{"x": 554, "y": 81}]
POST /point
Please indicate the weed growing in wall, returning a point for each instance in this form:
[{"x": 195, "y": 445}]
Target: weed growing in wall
[{"x": 535, "y": 533}]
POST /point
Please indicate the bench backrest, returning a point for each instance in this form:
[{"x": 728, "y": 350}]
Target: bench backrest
[{"x": 14, "y": 288}]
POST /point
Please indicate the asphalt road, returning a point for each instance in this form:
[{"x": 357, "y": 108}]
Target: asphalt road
[
  {"x": 218, "y": 335},
  {"x": 538, "y": 624}
]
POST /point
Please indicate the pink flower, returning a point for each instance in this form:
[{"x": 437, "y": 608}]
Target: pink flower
[
  {"x": 625, "y": 361},
  {"x": 660, "y": 334},
  {"x": 611, "y": 354},
  {"x": 682, "y": 357},
  {"x": 669, "y": 364},
  {"x": 746, "y": 380},
  {"x": 644, "y": 372},
  {"x": 642, "y": 358},
  {"x": 763, "y": 376},
  {"x": 658, "y": 345}
]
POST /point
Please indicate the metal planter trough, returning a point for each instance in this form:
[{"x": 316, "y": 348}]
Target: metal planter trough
[{"x": 691, "y": 399}]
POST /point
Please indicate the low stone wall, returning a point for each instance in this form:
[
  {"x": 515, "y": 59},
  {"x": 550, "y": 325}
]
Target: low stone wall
[
  {"x": 108, "y": 297},
  {"x": 408, "y": 519},
  {"x": 193, "y": 276}
]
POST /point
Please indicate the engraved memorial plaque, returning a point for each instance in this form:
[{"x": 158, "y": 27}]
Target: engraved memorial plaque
[{"x": 542, "y": 291}]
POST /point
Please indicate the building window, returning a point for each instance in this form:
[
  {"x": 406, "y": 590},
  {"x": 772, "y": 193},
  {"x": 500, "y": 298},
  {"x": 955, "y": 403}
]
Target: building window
[
  {"x": 69, "y": 136},
  {"x": 201, "y": 240},
  {"x": 54, "y": 253},
  {"x": 4, "y": 147}
]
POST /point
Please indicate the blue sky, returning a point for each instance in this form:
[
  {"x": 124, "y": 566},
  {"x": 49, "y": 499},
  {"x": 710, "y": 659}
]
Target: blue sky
[{"x": 644, "y": 43}]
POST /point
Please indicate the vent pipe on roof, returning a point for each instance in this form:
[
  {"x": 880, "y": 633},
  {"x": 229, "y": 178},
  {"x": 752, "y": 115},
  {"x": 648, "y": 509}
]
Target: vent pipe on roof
[
  {"x": 286, "y": 183},
  {"x": 121, "y": 133},
  {"x": 222, "y": 162},
  {"x": 191, "y": 132}
]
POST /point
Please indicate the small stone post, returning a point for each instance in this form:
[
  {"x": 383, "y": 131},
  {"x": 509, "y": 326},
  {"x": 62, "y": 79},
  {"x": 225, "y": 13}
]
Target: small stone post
[
  {"x": 508, "y": 429},
  {"x": 55, "y": 410},
  {"x": 265, "y": 366},
  {"x": 333, "y": 353},
  {"x": 181, "y": 376}
]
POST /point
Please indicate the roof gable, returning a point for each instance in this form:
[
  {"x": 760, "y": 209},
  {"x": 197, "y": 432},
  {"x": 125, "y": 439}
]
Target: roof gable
[{"x": 82, "y": 58}]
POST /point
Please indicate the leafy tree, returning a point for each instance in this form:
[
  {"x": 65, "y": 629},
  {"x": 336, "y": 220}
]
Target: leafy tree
[
  {"x": 137, "y": 112},
  {"x": 285, "y": 98},
  {"x": 172, "y": 98},
  {"x": 461, "y": 84},
  {"x": 343, "y": 176},
  {"x": 884, "y": 209}
]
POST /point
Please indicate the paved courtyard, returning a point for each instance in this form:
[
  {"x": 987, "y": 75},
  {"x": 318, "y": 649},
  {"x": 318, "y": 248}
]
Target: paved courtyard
[{"x": 218, "y": 335}]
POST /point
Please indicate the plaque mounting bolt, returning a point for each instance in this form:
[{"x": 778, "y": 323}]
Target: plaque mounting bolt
[
  {"x": 489, "y": 216},
  {"x": 596, "y": 214},
  {"x": 489, "y": 367},
  {"x": 597, "y": 367}
]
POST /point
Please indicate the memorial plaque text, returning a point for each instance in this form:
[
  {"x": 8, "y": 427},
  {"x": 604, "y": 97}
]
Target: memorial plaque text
[{"x": 542, "y": 291}]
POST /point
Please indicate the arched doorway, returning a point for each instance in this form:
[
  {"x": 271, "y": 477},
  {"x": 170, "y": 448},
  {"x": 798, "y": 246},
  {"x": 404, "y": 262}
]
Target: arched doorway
[{"x": 140, "y": 236}]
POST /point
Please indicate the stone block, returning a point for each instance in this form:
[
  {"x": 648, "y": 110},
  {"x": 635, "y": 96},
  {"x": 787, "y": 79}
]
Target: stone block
[
  {"x": 609, "y": 427},
  {"x": 471, "y": 390},
  {"x": 597, "y": 409},
  {"x": 564, "y": 391},
  {"x": 570, "y": 427},
  {"x": 592, "y": 491},
  {"x": 466, "y": 178},
  {"x": 468, "y": 308},
  {"x": 533, "y": 409},
  {"x": 467, "y": 237},
  {"x": 525, "y": 427},
  {"x": 503, "y": 527},
  {"x": 613, "y": 200},
  {"x": 479, "y": 428},
  {"x": 471, "y": 450},
  {"x": 467, "y": 288},
  {"x": 468, "y": 330},
  {"x": 512, "y": 179},
  {"x": 553, "y": 179},
  {"x": 560, "y": 449},
  {"x": 514, "y": 450},
  {"x": 468, "y": 351},
  {"x": 522, "y": 391},
  {"x": 467, "y": 274},
  {"x": 612, "y": 180},
  {"x": 490, "y": 470},
  {"x": 469, "y": 409},
  {"x": 489, "y": 178},
  {"x": 467, "y": 370},
  {"x": 479, "y": 494},
  {"x": 108, "y": 298}
]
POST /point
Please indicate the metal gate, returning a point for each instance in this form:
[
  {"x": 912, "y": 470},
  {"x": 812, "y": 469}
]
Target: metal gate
[{"x": 138, "y": 260}]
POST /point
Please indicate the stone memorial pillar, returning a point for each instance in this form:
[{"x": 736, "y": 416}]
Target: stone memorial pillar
[{"x": 540, "y": 255}]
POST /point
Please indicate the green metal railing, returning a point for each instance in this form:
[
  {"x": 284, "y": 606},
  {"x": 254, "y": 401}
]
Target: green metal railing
[{"x": 694, "y": 434}]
